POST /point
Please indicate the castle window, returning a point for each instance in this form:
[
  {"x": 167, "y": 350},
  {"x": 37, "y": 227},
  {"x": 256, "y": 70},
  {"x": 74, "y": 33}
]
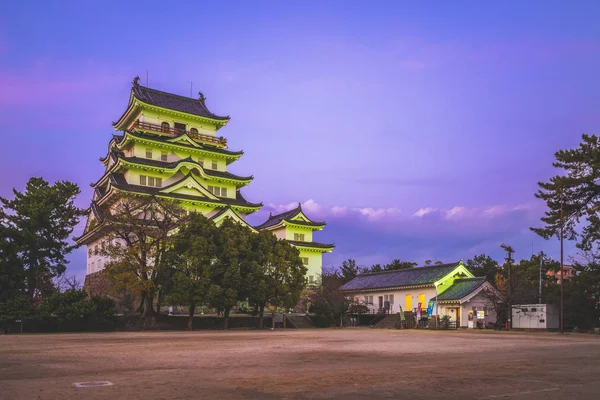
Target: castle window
[
  {"x": 165, "y": 127},
  {"x": 311, "y": 279},
  {"x": 305, "y": 260},
  {"x": 299, "y": 237},
  {"x": 150, "y": 181},
  {"x": 214, "y": 165},
  {"x": 180, "y": 128},
  {"x": 224, "y": 192},
  {"x": 158, "y": 182},
  {"x": 201, "y": 162},
  {"x": 163, "y": 156},
  {"x": 149, "y": 153},
  {"x": 142, "y": 180},
  {"x": 194, "y": 131}
]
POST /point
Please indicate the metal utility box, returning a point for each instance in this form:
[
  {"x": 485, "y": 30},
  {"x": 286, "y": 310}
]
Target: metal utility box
[{"x": 535, "y": 316}]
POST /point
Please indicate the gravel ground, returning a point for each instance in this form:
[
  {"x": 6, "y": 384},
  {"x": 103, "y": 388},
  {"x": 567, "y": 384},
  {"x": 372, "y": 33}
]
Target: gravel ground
[{"x": 318, "y": 364}]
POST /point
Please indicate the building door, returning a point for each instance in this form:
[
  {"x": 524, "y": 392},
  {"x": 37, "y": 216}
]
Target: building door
[
  {"x": 458, "y": 317},
  {"x": 380, "y": 303}
]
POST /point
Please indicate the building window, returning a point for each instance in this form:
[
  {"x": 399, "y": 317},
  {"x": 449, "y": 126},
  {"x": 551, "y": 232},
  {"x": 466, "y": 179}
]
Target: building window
[
  {"x": 163, "y": 156},
  {"x": 391, "y": 299},
  {"x": 201, "y": 162},
  {"x": 142, "y": 180},
  {"x": 180, "y": 128},
  {"x": 366, "y": 299},
  {"x": 408, "y": 302},
  {"x": 305, "y": 260},
  {"x": 194, "y": 131},
  {"x": 223, "y": 192},
  {"x": 370, "y": 299},
  {"x": 150, "y": 181},
  {"x": 311, "y": 279},
  {"x": 214, "y": 165},
  {"x": 158, "y": 182},
  {"x": 422, "y": 300},
  {"x": 299, "y": 237},
  {"x": 149, "y": 153},
  {"x": 165, "y": 127}
]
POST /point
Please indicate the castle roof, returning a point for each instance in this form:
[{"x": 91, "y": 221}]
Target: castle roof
[
  {"x": 287, "y": 216},
  {"x": 461, "y": 288},
  {"x": 173, "y": 101}
]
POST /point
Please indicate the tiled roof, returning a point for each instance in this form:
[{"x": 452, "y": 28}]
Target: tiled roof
[
  {"x": 173, "y": 101},
  {"x": 311, "y": 244},
  {"x": 118, "y": 180},
  {"x": 168, "y": 140},
  {"x": 287, "y": 216},
  {"x": 461, "y": 288},
  {"x": 399, "y": 278},
  {"x": 166, "y": 164}
]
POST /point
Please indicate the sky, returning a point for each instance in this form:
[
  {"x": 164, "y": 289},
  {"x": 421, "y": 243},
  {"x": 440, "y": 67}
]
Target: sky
[{"x": 416, "y": 131}]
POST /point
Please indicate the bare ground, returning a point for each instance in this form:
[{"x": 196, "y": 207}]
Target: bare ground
[{"x": 321, "y": 364}]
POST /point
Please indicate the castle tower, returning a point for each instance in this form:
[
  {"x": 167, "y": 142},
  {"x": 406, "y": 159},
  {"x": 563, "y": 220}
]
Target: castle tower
[
  {"x": 167, "y": 147},
  {"x": 295, "y": 227}
]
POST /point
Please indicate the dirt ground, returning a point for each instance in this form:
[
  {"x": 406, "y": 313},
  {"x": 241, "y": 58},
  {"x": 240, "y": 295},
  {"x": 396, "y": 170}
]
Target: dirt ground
[{"x": 351, "y": 363}]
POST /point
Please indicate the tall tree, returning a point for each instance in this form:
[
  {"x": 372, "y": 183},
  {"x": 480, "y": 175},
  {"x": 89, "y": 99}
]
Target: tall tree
[
  {"x": 275, "y": 274},
  {"x": 190, "y": 262},
  {"x": 349, "y": 270},
  {"x": 233, "y": 255},
  {"x": 575, "y": 189},
  {"x": 139, "y": 233},
  {"x": 35, "y": 227},
  {"x": 484, "y": 265}
]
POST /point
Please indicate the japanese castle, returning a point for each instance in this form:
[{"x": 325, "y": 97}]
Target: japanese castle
[{"x": 167, "y": 146}]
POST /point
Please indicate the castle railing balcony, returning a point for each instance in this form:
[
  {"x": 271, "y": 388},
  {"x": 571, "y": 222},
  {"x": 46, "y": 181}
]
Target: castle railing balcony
[{"x": 216, "y": 141}]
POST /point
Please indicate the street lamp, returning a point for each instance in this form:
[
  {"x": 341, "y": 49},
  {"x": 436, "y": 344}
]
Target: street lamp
[{"x": 436, "y": 304}]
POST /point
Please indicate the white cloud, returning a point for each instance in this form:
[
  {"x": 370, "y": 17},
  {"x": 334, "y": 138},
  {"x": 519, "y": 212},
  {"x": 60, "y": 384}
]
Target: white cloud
[{"x": 424, "y": 211}]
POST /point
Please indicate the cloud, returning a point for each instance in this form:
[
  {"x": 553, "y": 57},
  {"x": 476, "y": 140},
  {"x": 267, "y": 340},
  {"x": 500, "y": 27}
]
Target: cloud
[{"x": 423, "y": 211}]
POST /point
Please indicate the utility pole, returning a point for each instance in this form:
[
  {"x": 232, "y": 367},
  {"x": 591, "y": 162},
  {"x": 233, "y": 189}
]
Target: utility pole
[
  {"x": 562, "y": 303},
  {"x": 540, "y": 288},
  {"x": 509, "y": 251}
]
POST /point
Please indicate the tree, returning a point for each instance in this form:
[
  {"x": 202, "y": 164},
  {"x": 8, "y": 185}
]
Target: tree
[
  {"x": 138, "y": 231},
  {"x": 484, "y": 265},
  {"x": 397, "y": 264},
  {"x": 328, "y": 300},
  {"x": 275, "y": 274},
  {"x": 349, "y": 270},
  {"x": 190, "y": 262},
  {"x": 575, "y": 190},
  {"x": 35, "y": 226},
  {"x": 233, "y": 256}
]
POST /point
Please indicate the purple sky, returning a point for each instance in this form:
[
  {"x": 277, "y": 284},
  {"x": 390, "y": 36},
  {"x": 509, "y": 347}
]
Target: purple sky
[{"x": 415, "y": 132}]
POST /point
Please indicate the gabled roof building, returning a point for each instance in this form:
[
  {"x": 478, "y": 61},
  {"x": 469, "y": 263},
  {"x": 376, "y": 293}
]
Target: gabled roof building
[
  {"x": 168, "y": 146},
  {"x": 458, "y": 293}
]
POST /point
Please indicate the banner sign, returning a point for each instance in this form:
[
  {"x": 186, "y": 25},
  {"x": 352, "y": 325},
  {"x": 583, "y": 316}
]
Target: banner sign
[
  {"x": 402, "y": 318},
  {"x": 419, "y": 305},
  {"x": 430, "y": 308}
]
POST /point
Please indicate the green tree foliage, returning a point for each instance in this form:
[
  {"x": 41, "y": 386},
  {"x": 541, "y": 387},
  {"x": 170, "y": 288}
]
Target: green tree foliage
[
  {"x": 139, "y": 231},
  {"x": 398, "y": 264},
  {"x": 234, "y": 254},
  {"x": 34, "y": 230},
  {"x": 275, "y": 274},
  {"x": 349, "y": 270},
  {"x": 484, "y": 265},
  {"x": 190, "y": 262},
  {"x": 577, "y": 186}
]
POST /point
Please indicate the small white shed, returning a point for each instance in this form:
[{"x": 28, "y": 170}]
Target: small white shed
[{"x": 535, "y": 316}]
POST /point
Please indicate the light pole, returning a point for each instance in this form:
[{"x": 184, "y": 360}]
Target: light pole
[
  {"x": 436, "y": 305},
  {"x": 562, "y": 304},
  {"x": 509, "y": 251},
  {"x": 540, "y": 286}
]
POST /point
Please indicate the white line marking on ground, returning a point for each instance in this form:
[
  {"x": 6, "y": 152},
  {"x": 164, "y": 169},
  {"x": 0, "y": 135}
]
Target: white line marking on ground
[{"x": 92, "y": 384}]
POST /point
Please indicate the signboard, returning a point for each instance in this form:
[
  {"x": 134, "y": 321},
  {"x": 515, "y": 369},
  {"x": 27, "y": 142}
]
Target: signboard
[
  {"x": 480, "y": 314},
  {"x": 430, "y": 308},
  {"x": 402, "y": 318},
  {"x": 419, "y": 311}
]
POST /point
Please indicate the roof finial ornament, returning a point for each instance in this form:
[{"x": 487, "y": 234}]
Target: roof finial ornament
[
  {"x": 270, "y": 214},
  {"x": 202, "y": 98},
  {"x": 299, "y": 205},
  {"x": 136, "y": 81}
]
